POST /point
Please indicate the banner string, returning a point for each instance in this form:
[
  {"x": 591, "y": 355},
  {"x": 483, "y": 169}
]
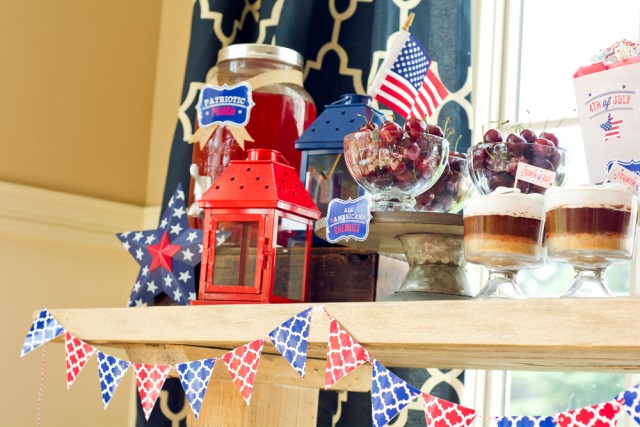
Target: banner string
[{"x": 41, "y": 386}]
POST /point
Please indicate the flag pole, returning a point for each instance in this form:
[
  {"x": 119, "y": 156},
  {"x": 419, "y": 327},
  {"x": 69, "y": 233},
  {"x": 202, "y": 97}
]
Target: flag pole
[{"x": 392, "y": 54}]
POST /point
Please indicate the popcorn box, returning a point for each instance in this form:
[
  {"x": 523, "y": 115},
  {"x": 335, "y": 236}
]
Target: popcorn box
[{"x": 608, "y": 103}]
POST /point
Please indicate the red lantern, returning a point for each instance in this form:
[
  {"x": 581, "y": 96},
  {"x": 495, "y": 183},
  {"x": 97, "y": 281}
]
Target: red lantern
[{"x": 258, "y": 220}]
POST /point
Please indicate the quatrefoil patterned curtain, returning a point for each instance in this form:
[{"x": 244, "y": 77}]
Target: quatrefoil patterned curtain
[{"x": 343, "y": 43}]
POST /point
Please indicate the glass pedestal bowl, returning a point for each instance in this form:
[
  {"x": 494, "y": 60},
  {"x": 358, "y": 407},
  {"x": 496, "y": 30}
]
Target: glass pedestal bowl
[
  {"x": 394, "y": 173},
  {"x": 493, "y": 165},
  {"x": 591, "y": 228},
  {"x": 503, "y": 232},
  {"x": 451, "y": 190}
]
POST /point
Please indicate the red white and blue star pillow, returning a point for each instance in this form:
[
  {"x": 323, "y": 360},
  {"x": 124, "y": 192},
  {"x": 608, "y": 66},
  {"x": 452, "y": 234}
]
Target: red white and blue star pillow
[{"x": 167, "y": 256}]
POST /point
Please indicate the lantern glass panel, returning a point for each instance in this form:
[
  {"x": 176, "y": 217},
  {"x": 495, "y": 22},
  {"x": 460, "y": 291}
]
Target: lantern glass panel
[
  {"x": 235, "y": 257},
  {"x": 290, "y": 258},
  {"x": 328, "y": 178}
]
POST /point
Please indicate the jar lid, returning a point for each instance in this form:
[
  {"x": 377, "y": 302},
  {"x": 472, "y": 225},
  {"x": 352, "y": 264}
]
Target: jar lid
[{"x": 261, "y": 51}]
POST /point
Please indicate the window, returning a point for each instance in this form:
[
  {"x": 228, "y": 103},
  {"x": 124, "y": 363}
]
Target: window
[{"x": 525, "y": 54}]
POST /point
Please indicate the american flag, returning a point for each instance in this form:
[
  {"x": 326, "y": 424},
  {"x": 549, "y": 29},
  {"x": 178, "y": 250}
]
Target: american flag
[
  {"x": 611, "y": 128},
  {"x": 405, "y": 82}
]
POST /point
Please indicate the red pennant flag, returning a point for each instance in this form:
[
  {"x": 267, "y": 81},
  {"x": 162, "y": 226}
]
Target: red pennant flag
[
  {"x": 344, "y": 354},
  {"x": 600, "y": 415},
  {"x": 150, "y": 379},
  {"x": 242, "y": 364},
  {"x": 442, "y": 413},
  {"x": 77, "y": 353}
]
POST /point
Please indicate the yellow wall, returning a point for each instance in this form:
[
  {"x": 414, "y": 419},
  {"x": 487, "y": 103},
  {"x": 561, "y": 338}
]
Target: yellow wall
[{"x": 88, "y": 98}]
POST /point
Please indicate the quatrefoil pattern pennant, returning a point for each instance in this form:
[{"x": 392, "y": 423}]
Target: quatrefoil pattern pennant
[
  {"x": 600, "y": 415},
  {"x": 344, "y": 354},
  {"x": 195, "y": 377},
  {"x": 44, "y": 329},
  {"x": 525, "y": 421},
  {"x": 291, "y": 339},
  {"x": 111, "y": 370},
  {"x": 77, "y": 353},
  {"x": 442, "y": 413},
  {"x": 389, "y": 394},
  {"x": 630, "y": 399},
  {"x": 242, "y": 364},
  {"x": 149, "y": 379}
]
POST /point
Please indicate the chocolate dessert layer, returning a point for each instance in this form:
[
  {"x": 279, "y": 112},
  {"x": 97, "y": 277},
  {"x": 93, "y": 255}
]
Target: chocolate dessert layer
[
  {"x": 590, "y": 220},
  {"x": 486, "y": 226}
]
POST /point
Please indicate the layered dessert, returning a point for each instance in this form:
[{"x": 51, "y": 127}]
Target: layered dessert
[
  {"x": 504, "y": 228},
  {"x": 598, "y": 220}
]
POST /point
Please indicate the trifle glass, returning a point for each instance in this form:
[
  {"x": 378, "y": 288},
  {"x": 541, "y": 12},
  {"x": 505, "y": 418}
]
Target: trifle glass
[
  {"x": 591, "y": 227},
  {"x": 503, "y": 231}
]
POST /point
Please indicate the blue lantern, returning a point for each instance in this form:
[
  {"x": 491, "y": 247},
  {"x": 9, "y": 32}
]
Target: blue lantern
[{"x": 322, "y": 167}]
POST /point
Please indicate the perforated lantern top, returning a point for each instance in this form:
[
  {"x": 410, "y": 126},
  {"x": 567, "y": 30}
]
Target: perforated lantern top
[
  {"x": 264, "y": 180},
  {"x": 338, "y": 120}
]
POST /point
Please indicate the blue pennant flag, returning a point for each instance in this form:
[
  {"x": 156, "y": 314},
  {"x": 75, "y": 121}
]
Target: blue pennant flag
[
  {"x": 389, "y": 395},
  {"x": 195, "y": 377},
  {"x": 111, "y": 370},
  {"x": 44, "y": 329},
  {"x": 630, "y": 399},
  {"x": 526, "y": 421},
  {"x": 291, "y": 338}
]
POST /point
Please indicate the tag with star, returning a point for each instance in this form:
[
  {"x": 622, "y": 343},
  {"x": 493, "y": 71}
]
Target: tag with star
[{"x": 167, "y": 255}]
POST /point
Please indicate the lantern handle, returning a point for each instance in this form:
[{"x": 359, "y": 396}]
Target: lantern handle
[{"x": 282, "y": 158}]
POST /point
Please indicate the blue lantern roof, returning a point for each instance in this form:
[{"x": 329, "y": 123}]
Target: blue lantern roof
[{"x": 338, "y": 120}]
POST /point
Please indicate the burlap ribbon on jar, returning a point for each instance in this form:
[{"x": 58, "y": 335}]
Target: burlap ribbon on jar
[{"x": 239, "y": 133}]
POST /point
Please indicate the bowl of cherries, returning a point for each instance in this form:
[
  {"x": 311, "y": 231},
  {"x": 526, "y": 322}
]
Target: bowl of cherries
[
  {"x": 494, "y": 162},
  {"x": 453, "y": 187},
  {"x": 395, "y": 163}
]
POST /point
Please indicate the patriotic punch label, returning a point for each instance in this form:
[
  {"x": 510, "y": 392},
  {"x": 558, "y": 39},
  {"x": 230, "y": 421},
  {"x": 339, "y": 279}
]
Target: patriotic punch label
[{"x": 225, "y": 105}]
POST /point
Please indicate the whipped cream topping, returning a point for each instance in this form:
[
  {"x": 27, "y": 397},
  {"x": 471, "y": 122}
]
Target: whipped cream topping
[
  {"x": 506, "y": 201},
  {"x": 609, "y": 195}
]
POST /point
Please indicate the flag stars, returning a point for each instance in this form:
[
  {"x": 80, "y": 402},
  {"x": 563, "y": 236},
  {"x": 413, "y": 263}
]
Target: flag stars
[
  {"x": 136, "y": 286},
  {"x": 192, "y": 296},
  {"x": 176, "y": 229},
  {"x": 177, "y": 295},
  {"x": 193, "y": 235},
  {"x": 164, "y": 223},
  {"x": 145, "y": 270},
  {"x": 139, "y": 254},
  {"x": 137, "y": 236},
  {"x": 168, "y": 281},
  {"x": 126, "y": 245},
  {"x": 184, "y": 276},
  {"x": 178, "y": 212},
  {"x": 150, "y": 239},
  {"x": 187, "y": 255},
  {"x": 151, "y": 287}
]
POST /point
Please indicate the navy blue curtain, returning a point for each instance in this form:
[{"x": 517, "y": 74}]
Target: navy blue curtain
[{"x": 342, "y": 48}]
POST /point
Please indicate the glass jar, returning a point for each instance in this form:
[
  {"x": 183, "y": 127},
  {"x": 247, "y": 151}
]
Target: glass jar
[{"x": 282, "y": 109}]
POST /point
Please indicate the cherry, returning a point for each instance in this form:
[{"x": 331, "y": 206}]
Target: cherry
[
  {"x": 550, "y": 136},
  {"x": 492, "y": 135},
  {"x": 529, "y": 135},
  {"x": 390, "y": 132},
  {"x": 514, "y": 137},
  {"x": 411, "y": 152},
  {"x": 543, "y": 147},
  {"x": 368, "y": 127},
  {"x": 415, "y": 127},
  {"x": 435, "y": 130},
  {"x": 501, "y": 179}
]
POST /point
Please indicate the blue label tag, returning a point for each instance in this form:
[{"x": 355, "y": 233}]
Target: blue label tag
[
  {"x": 229, "y": 105},
  {"x": 632, "y": 165},
  {"x": 348, "y": 219}
]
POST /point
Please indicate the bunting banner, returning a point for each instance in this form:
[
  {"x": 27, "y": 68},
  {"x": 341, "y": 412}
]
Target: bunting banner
[
  {"x": 389, "y": 393},
  {"x": 149, "y": 379},
  {"x": 524, "y": 420},
  {"x": 242, "y": 364},
  {"x": 442, "y": 413},
  {"x": 44, "y": 329},
  {"x": 77, "y": 353},
  {"x": 291, "y": 338},
  {"x": 344, "y": 354},
  {"x": 111, "y": 370},
  {"x": 194, "y": 377},
  {"x": 630, "y": 399}
]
